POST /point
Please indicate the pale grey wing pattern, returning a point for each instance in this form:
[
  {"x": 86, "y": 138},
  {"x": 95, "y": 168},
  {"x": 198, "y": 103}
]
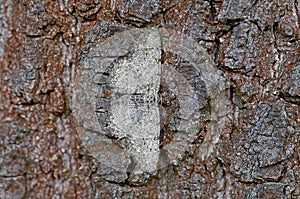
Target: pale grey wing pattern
[{"x": 118, "y": 100}]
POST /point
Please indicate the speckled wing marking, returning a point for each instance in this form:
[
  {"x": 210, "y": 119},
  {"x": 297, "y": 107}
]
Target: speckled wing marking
[
  {"x": 134, "y": 112},
  {"x": 126, "y": 68}
]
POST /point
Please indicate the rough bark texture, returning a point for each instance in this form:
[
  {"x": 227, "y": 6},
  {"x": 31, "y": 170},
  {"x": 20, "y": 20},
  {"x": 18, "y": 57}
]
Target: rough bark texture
[{"x": 248, "y": 143}]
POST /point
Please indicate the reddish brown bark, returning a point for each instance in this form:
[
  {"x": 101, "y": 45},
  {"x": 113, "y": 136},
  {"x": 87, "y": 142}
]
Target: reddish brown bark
[{"x": 255, "y": 45}]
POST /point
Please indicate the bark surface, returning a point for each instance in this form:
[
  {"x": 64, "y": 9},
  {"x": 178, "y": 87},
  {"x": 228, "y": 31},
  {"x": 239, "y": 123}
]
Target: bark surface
[{"x": 229, "y": 118}]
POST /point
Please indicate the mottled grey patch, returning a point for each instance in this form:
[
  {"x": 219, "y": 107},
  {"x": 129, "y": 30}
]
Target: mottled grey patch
[
  {"x": 5, "y": 10},
  {"x": 270, "y": 142},
  {"x": 235, "y": 9},
  {"x": 290, "y": 86}
]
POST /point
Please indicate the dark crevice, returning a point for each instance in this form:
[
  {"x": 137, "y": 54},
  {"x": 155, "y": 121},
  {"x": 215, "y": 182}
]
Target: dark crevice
[
  {"x": 33, "y": 36},
  {"x": 217, "y": 51},
  {"x": 233, "y": 22},
  {"x": 290, "y": 98},
  {"x": 226, "y": 69},
  {"x": 218, "y": 55},
  {"x": 213, "y": 11},
  {"x": 256, "y": 24},
  {"x": 250, "y": 183},
  {"x": 11, "y": 176}
]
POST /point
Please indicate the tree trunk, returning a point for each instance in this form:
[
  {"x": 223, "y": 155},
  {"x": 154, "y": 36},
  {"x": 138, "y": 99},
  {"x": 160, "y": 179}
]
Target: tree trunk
[{"x": 149, "y": 99}]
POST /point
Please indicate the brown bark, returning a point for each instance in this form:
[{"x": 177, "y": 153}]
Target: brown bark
[{"x": 254, "y": 45}]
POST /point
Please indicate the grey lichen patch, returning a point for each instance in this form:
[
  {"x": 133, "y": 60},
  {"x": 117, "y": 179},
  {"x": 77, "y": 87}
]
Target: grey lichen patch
[{"x": 4, "y": 8}]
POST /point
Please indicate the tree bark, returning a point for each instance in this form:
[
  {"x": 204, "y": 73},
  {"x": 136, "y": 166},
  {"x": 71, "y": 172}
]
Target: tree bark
[{"x": 237, "y": 69}]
